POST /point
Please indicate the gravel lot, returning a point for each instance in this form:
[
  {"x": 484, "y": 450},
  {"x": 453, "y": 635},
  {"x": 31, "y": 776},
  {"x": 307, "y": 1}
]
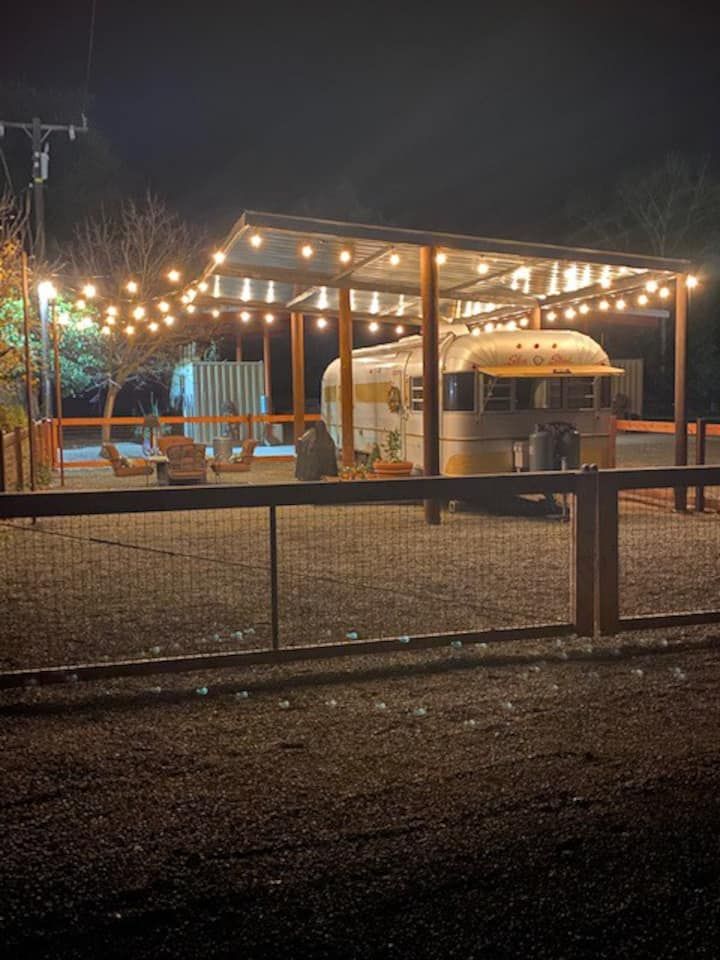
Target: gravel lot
[{"x": 552, "y": 802}]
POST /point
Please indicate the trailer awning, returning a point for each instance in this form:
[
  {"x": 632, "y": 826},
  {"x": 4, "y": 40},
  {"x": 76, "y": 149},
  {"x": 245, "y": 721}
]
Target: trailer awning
[{"x": 548, "y": 371}]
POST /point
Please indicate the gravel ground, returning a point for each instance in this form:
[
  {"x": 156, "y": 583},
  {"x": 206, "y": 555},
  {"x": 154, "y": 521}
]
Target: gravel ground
[{"x": 555, "y": 801}]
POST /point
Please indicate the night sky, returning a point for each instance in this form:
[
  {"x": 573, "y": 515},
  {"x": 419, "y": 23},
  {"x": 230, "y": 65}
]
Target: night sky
[{"x": 423, "y": 115}]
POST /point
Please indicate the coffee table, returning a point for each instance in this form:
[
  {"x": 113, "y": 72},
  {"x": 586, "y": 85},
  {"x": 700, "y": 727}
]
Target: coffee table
[{"x": 161, "y": 462}]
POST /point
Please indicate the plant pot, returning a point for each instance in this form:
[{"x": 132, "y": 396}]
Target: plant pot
[{"x": 387, "y": 469}]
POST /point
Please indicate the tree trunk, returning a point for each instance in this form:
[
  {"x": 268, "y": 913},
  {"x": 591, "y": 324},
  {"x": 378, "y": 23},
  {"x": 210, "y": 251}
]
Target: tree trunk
[{"x": 110, "y": 397}]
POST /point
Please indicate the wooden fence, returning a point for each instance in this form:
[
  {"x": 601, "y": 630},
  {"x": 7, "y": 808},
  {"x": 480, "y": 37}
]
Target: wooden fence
[{"x": 15, "y": 473}]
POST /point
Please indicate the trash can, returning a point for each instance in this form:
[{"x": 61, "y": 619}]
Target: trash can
[{"x": 222, "y": 448}]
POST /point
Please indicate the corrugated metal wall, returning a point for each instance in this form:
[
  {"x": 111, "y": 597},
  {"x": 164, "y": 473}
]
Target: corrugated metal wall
[
  {"x": 213, "y": 385},
  {"x": 631, "y": 384}
]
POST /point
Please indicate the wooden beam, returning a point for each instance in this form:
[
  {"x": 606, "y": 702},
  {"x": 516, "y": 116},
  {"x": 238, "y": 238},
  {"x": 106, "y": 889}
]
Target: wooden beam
[
  {"x": 267, "y": 367},
  {"x": 238, "y": 347},
  {"x": 431, "y": 373},
  {"x": 345, "y": 341},
  {"x": 297, "y": 349},
  {"x": 681, "y": 444}
]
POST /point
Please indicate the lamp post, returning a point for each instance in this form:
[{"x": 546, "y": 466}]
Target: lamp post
[{"x": 47, "y": 295}]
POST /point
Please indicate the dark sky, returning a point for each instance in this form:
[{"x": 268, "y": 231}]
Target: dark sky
[{"x": 478, "y": 117}]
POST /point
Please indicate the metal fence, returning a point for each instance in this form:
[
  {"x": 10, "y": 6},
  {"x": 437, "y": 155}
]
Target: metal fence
[
  {"x": 138, "y": 581},
  {"x": 144, "y": 580}
]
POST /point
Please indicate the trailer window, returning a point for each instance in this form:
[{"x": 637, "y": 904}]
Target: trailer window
[
  {"x": 497, "y": 393},
  {"x": 416, "y": 393},
  {"x": 459, "y": 391},
  {"x": 580, "y": 393}
]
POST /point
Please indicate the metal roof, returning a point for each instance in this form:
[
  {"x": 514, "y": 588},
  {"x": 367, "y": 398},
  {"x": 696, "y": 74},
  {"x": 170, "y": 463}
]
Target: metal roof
[{"x": 270, "y": 261}]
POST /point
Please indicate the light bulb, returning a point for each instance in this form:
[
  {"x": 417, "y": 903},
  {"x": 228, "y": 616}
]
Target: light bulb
[
  {"x": 89, "y": 290},
  {"x": 584, "y": 308},
  {"x": 476, "y": 331},
  {"x": 345, "y": 256},
  {"x": 80, "y": 304},
  {"x": 245, "y": 316},
  {"x": 399, "y": 329},
  {"x": 256, "y": 241},
  {"x": 605, "y": 283},
  {"x": 604, "y": 305},
  {"x": 219, "y": 256},
  {"x": 570, "y": 313},
  {"x": 111, "y": 311},
  {"x": 190, "y": 308},
  {"x": 152, "y": 327},
  {"x": 202, "y": 286},
  {"x": 46, "y": 290},
  {"x": 110, "y": 321},
  {"x": 269, "y": 318},
  {"x": 524, "y": 321},
  {"x": 374, "y": 326},
  {"x": 620, "y": 304},
  {"x": 512, "y": 325},
  {"x": 164, "y": 306},
  {"x": 642, "y": 299},
  {"x": 132, "y": 286},
  {"x": 130, "y": 330},
  {"x": 169, "y": 320},
  {"x": 105, "y": 331},
  {"x": 651, "y": 286},
  {"x": 173, "y": 276},
  {"x": 139, "y": 313},
  {"x": 483, "y": 267},
  {"x": 440, "y": 258},
  {"x": 664, "y": 292},
  {"x": 489, "y": 327},
  {"x": 551, "y": 316},
  {"x": 307, "y": 251},
  {"x": 394, "y": 259},
  {"x": 216, "y": 313},
  {"x": 321, "y": 322},
  {"x": 691, "y": 281}
]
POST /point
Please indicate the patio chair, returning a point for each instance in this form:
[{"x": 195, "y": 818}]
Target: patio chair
[
  {"x": 123, "y": 466},
  {"x": 172, "y": 440},
  {"x": 186, "y": 463},
  {"x": 241, "y": 465}
]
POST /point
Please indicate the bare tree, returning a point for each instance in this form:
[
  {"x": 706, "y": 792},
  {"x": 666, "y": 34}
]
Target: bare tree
[{"x": 140, "y": 243}]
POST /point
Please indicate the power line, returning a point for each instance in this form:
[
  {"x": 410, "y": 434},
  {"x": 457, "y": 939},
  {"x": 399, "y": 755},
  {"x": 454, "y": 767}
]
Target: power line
[{"x": 88, "y": 63}]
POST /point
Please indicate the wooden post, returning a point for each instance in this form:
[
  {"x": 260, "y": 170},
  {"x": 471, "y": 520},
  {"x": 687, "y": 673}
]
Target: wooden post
[
  {"x": 19, "y": 465},
  {"x": 238, "y": 347},
  {"x": 58, "y": 397},
  {"x": 700, "y": 450},
  {"x": 3, "y": 468},
  {"x": 345, "y": 339},
  {"x": 584, "y": 548},
  {"x": 681, "y": 444},
  {"x": 297, "y": 347},
  {"x": 267, "y": 377},
  {"x": 431, "y": 373},
  {"x": 536, "y": 318},
  {"x": 28, "y": 367},
  {"x": 608, "y": 598}
]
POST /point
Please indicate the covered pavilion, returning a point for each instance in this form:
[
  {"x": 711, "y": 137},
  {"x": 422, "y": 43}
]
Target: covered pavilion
[{"x": 385, "y": 275}]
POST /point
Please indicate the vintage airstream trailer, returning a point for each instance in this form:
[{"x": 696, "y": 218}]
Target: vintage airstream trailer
[{"x": 495, "y": 388}]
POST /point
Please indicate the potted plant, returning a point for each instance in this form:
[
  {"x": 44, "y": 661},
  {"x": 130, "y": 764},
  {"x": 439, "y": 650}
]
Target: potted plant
[{"x": 391, "y": 465}]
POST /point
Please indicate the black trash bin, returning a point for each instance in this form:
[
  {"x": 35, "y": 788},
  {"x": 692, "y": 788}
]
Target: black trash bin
[{"x": 316, "y": 454}]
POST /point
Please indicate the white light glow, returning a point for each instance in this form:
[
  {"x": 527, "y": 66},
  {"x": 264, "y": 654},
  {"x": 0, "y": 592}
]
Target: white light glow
[
  {"x": 256, "y": 241},
  {"x": 345, "y": 256},
  {"x": 132, "y": 286},
  {"x": 153, "y": 326},
  {"x": 321, "y": 323},
  {"x": 89, "y": 291},
  {"x": 173, "y": 276},
  {"x": 374, "y": 326},
  {"x": 691, "y": 281},
  {"x": 269, "y": 318},
  {"x": 482, "y": 269},
  {"x": 399, "y": 329},
  {"x": 164, "y": 307},
  {"x": 219, "y": 256},
  {"x": 139, "y": 313},
  {"x": 46, "y": 290},
  {"x": 245, "y": 316},
  {"x": 394, "y": 259},
  {"x": 307, "y": 251}
]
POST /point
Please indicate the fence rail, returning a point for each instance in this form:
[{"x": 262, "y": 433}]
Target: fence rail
[{"x": 319, "y": 570}]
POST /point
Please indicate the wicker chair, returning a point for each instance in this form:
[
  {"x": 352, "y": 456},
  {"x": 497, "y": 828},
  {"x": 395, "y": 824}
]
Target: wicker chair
[
  {"x": 242, "y": 465},
  {"x": 172, "y": 440},
  {"x": 186, "y": 463},
  {"x": 122, "y": 466}
]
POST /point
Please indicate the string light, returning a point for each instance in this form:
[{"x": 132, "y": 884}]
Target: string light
[
  {"x": 374, "y": 326},
  {"x": 191, "y": 294},
  {"x": 190, "y": 308},
  {"x": 110, "y": 321},
  {"x": 219, "y": 256},
  {"x": 152, "y": 327},
  {"x": 642, "y": 299},
  {"x": 604, "y": 305},
  {"x": 202, "y": 287},
  {"x": 321, "y": 322},
  {"x": 132, "y": 286},
  {"x": 394, "y": 259},
  {"x": 570, "y": 313},
  {"x": 489, "y": 327},
  {"x": 139, "y": 313},
  {"x": 307, "y": 251},
  {"x": 651, "y": 286},
  {"x": 111, "y": 311},
  {"x": 169, "y": 320},
  {"x": 345, "y": 256},
  {"x": 89, "y": 290},
  {"x": 164, "y": 306},
  {"x": 245, "y": 316},
  {"x": 441, "y": 258},
  {"x": 256, "y": 241},
  {"x": 105, "y": 331},
  {"x": 174, "y": 276},
  {"x": 184, "y": 298},
  {"x": 620, "y": 304},
  {"x": 130, "y": 330},
  {"x": 691, "y": 281},
  {"x": 482, "y": 269},
  {"x": 216, "y": 313},
  {"x": 80, "y": 304},
  {"x": 399, "y": 329},
  {"x": 523, "y": 321},
  {"x": 511, "y": 325},
  {"x": 664, "y": 293},
  {"x": 476, "y": 331},
  {"x": 584, "y": 308},
  {"x": 552, "y": 316},
  {"x": 269, "y": 318}
]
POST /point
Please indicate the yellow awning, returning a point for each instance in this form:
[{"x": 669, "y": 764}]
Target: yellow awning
[{"x": 548, "y": 370}]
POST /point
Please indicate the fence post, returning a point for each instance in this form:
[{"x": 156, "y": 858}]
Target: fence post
[
  {"x": 584, "y": 552},
  {"x": 3, "y": 471},
  {"x": 19, "y": 466},
  {"x": 608, "y": 579},
  {"x": 700, "y": 445},
  {"x": 274, "y": 618}
]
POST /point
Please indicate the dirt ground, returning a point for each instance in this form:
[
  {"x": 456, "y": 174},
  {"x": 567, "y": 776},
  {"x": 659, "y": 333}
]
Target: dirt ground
[{"x": 539, "y": 800}]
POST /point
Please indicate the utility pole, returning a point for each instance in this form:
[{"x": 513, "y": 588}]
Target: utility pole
[{"x": 39, "y": 134}]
